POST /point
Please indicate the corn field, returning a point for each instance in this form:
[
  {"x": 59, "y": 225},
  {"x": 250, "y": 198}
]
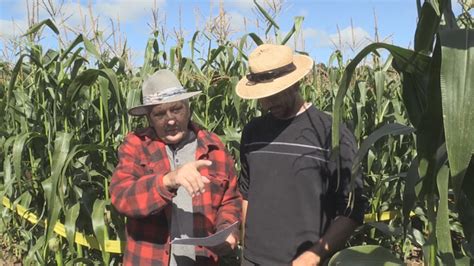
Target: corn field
[{"x": 64, "y": 114}]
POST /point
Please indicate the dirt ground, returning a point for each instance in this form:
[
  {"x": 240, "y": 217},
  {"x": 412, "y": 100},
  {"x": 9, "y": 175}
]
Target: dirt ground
[{"x": 6, "y": 258}]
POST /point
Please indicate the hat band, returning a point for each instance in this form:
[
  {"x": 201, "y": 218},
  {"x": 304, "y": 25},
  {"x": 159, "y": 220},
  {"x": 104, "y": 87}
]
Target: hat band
[
  {"x": 163, "y": 95},
  {"x": 270, "y": 75}
]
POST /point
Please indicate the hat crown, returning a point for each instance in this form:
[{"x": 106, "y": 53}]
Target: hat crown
[
  {"x": 161, "y": 87},
  {"x": 159, "y": 82},
  {"x": 268, "y": 57}
]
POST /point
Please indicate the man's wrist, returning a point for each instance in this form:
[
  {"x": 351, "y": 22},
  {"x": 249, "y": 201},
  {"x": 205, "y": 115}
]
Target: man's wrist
[
  {"x": 319, "y": 250},
  {"x": 168, "y": 181}
]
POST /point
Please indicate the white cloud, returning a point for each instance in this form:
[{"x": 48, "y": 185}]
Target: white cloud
[
  {"x": 236, "y": 21},
  {"x": 353, "y": 38},
  {"x": 11, "y": 28},
  {"x": 303, "y": 13},
  {"x": 126, "y": 9},
  {"x": 319, "y": 38},
  {"x": 245, "y": 5},
  {"x": 348, "y": 38}
]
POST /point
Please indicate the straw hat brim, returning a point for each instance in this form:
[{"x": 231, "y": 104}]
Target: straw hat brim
[
  {"x": 246, "y": 90},
  {"x": 143, "y": 109}
]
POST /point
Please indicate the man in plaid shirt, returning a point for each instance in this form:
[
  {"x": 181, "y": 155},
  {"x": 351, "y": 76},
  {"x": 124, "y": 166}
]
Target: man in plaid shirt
[{"x": 173, "y": 180}]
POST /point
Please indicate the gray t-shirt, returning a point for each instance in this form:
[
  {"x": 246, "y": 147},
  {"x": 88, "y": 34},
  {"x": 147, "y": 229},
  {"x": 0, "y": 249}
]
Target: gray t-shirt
[{"x": 182, "y": 211}]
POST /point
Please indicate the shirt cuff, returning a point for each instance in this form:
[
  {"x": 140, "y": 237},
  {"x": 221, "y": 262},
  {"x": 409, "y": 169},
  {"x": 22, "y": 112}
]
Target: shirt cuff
[{"x": 162, "y": 190}]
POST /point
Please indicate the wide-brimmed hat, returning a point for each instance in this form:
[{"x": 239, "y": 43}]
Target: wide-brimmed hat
[
  {"x": 161, "y": 87},
  {"x": 273, "y": 68}
]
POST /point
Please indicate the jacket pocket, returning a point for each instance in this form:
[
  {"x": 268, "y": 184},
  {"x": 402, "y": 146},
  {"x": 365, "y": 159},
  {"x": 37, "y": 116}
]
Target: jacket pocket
[{"x": 218, "y": 187}]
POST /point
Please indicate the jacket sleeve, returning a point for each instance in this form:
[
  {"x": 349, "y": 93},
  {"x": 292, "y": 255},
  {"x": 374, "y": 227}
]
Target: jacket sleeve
[
  {"x": 134, "y": 192},
  {"x": 231, "y": 206}
]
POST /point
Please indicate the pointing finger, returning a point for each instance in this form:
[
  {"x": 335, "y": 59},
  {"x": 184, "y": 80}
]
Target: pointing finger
[{"x": 202, "y": 163}]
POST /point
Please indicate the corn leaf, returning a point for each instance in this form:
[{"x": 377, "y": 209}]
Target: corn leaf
[
  {"x": 388, "y": 129},
  {"x": 457, "y": 91},
  {"x": 70, "y": 224},
  {"x": 267, "y": 16},
  {"x": 36, "y": 27},
  {"x": 100, "y": 229},
  {"x": 405, "y": 59},
  {"x": 426, "y": 29},
  {"x": 296, "y": 28},
  {"x": 367, "y": 255},
  {"x": 409, "y": 193},
  {"x": 61, "y": 150},
  {"x": 443, "y": 231}
]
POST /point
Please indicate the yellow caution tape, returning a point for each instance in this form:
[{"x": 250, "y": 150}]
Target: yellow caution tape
[
  {"x": 111, "y": 246},
  {"x": 116, "y": 246},
  {"x": 384, "y": 216}
]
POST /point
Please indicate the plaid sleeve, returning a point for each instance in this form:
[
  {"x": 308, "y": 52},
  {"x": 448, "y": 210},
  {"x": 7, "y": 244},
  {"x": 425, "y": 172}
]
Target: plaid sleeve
[
  {"x": 134, "y": 192},
  {"x": 226, "y": 197},
  {"x": 231, "y": 206}
]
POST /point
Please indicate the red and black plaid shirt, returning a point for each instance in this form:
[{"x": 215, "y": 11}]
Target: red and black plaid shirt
[{"x": 137, "y": 191}]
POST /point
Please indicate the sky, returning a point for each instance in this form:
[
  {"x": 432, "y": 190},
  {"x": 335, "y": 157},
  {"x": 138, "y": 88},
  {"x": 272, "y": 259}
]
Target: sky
[{"x": 347, "y": 25}]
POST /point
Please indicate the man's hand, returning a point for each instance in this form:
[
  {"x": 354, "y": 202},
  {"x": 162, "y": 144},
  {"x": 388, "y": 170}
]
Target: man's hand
[
  {"x": 189, "y": 177},
  {"x": 307, "y": 258},
  {"x": 226, "y": 247}
]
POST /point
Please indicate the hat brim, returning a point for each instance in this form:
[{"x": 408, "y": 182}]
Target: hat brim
[
  {"x": 143, "y": 109},
  {"x": 247, "y": 90}
]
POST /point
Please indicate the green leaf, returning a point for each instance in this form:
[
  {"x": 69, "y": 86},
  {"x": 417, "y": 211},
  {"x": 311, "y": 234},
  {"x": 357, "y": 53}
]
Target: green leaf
[
  {"x": 409, "y": 193},
  {"x": 379, "y": 88},
  {"x": 213, "y": 55},
  {"x": 36, "y": 27},
  {"x": 193, "y": 43},
  {"x": 70, "y": 224},
  {"x": 61, "y": 150},
  {"x": 267, "y": 16},
  {"x": 388, "y": 230},
  {"x": 74, "y": 43},
  {"x": 112, "y": 77},
  {"x": 430, "y": 135},
  {"x": 255, "y": 38},
  {"x": 18, "y": 147},
  {"x": 443, "y": 232},
  {"x": 457, "y": 92},
  {"x": 8, "y": 179},
  {"x": 296, "y": 28},
  {"x": 414, "y": 95},
  {"x": 388, "y": 129},
  {"x": 367, "y": 255},
  {"x": 100, "y": 229},
  {"x": 91, "y": 48},
  {"x": 426, "y": 29},
  {"x": 13, "y": 78}
]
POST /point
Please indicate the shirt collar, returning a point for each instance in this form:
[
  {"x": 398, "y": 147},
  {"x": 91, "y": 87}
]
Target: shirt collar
[{"x": 204, "y": 139}]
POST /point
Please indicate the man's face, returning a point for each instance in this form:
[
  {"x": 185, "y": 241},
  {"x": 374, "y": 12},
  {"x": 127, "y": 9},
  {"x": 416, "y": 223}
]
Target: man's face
[
  {"x": 170, "y": 121},
  {"x": 282, "y": 104}
]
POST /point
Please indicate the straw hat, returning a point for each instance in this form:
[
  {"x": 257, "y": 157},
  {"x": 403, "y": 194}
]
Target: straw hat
[
  {"x": 162, "y": 87},
  {"x": 273, "y": 68}
]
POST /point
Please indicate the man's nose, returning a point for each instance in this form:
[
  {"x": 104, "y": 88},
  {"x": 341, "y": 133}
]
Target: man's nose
[{"x": 170, "y": 118}]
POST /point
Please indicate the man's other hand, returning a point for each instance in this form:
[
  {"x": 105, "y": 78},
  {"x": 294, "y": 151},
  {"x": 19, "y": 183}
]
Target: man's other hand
[
  {"x": 226, "y": 247},
  {"x": 307, "y": 258}
]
